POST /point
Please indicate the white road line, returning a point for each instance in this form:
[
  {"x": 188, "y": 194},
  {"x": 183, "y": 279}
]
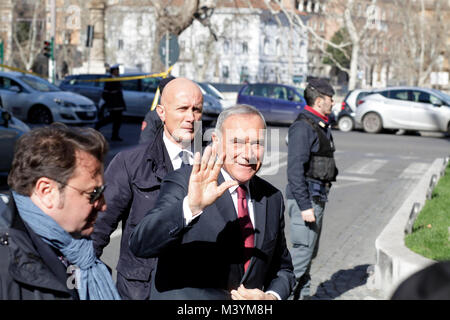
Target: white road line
[
  {"x": 367, "y": 167},
  {"x": 117, "y": 233},
  {"x": 354, "y": 181},
  {"x": 414, "y": 170}
]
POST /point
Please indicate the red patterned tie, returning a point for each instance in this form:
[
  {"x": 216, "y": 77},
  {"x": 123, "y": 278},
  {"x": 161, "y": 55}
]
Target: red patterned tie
[{"x": 245, "y": 223}]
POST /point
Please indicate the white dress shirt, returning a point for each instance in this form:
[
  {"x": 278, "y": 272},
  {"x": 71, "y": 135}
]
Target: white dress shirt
[{"x": 174, "y": 152}]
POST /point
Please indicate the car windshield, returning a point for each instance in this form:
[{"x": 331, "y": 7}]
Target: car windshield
[
  {"x": 211, "y": 90},
  {"x": 443, "y": 95},
  {"x": 39, "y": 84}
]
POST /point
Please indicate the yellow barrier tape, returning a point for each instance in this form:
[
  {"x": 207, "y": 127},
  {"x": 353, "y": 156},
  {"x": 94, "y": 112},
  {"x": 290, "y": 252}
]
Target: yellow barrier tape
[
  {"x": 154, "y": 75},
  {"x": 20, "y": 70},
  {"x": 155, "y": 100}
]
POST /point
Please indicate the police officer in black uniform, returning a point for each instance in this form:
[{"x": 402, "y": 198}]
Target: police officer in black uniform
[
  {"x": 114, "y": 103},
  {"x": 311, "y": 169}
]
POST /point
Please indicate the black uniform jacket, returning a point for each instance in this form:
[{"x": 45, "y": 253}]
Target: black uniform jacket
[
  {"x": 29, "y": 268},
  {"x": 204, "y": 260}
]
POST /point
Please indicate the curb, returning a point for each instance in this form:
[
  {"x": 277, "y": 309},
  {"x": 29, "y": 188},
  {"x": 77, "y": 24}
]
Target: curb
[{"x": 396, "y": 262}]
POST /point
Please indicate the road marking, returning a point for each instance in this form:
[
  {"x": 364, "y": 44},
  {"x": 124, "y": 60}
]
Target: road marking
[
  {"x": 354, "y": 181},
  {"x": 414, "y": 170},
  {"x": 367, "y": 167},
  {"x": 117, "y": 233}
]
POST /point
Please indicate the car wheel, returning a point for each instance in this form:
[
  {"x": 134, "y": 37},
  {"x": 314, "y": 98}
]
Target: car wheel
[
  {"x": 40, "y": 114},
  {"x": 345, "y": 124},
  {"x": 372, "y": 123}
]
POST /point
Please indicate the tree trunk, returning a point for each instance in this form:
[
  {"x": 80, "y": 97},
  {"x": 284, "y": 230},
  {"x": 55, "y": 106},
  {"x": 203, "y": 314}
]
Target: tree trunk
[{"x": 173, "y": 20}]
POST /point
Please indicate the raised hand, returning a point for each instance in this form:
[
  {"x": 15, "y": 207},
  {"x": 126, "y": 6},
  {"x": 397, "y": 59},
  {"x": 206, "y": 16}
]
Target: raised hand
[{"x": 203, "y": 188}]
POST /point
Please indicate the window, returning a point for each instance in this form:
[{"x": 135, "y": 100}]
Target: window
[
  {"x": 293, "y": 96},
  {"x": 436, "y": 101},
  {"x": 7, "y": 83},
  {"x": 244, "y": 47},
  {"x": 257, "y": 90},
  {"x": 150, "y": 84},
  {"x": 226, "y": 46},
  {"x": 420, "y": 96},
  {"x": 398, "y": 94},
  {"x": 266, "y": 47},
  {"x": 225, "y": 72},
  {"x": 131, "y": 85},
  {"x": 279, "y": 93},
  {"x": 120, "y": 45}
]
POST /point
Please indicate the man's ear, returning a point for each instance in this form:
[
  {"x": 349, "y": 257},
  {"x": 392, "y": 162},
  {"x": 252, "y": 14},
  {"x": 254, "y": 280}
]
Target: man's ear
[
  {"x": 215, "y": 138},
  {"x": 47, "y": 192},
  {"x": 161, "y": 112}
]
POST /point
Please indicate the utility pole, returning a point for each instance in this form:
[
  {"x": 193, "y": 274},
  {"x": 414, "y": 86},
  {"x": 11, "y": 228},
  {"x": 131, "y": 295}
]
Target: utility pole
[{"x": 51, "y": 61}]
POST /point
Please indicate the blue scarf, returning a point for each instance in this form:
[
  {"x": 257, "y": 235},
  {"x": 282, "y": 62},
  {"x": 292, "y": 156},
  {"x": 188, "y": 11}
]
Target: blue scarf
[{"x": 94, "y": 281}]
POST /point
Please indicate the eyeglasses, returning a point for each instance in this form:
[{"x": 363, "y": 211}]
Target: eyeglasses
[{"x": 93, "y": 195}]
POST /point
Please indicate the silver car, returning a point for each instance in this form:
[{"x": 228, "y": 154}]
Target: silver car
[
  {"x": 407, "y": 108},
  {"x": 35, "y": 100},
  {"x": 11, "y": 129}
]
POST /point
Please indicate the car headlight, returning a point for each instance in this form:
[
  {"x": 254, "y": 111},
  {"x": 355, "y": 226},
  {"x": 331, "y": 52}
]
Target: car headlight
[{"x": 64, "y": 103}]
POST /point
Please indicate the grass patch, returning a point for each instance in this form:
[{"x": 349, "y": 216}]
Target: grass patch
[{"x": 430, "y": 236}]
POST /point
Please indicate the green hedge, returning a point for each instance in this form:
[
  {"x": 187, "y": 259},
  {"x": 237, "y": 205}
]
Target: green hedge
[{"x": 430, "y": 236}]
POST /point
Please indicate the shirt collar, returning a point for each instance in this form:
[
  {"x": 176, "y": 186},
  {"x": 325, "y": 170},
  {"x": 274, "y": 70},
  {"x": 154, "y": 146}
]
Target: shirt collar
[
  {"x": 227, "y": 177},
  {"x": 172, "y": 148},
  {"x": 324, "y": 118}
]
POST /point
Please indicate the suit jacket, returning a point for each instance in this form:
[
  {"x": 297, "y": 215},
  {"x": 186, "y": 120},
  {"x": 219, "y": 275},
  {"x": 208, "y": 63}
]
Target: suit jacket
[
  {"x": 133, "y": 180},
  {"x": 205, "y": 260}
]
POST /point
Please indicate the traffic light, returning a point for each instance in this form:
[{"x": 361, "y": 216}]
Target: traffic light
[{"x": 47, "y": 49}]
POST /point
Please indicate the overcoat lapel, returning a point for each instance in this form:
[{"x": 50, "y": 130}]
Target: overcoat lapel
[{"x": 260, "y": 212}]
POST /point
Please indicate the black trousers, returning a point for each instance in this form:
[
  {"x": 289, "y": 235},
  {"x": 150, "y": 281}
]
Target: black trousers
[{"x": 115, "y": 116}]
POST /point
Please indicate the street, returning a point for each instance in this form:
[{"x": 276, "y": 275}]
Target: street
[{"x": 376, "y": 172}]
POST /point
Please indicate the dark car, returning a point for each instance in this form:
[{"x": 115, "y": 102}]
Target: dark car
[
  {"x": 138, "y": 93},
  {"x": 277, "y": 102},
  {"x": 11, "y": 129}
]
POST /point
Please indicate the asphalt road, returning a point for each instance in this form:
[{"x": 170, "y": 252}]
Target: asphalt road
[{"x": 376, "y": 173}]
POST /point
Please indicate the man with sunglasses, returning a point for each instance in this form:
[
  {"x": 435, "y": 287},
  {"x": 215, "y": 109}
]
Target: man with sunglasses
[
  {"x": 56, "y": 183},
  {"x": 134, "y": 178}
]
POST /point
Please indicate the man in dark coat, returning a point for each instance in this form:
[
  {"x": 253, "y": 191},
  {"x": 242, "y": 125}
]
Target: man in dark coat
[
  {"x": 134, "y": 177},
  {"x": 56, "y": 191},
  {"x": 217, "y": 229},
  {"x": 114, "y": 103},
  {"x": 311, "y": 169}
]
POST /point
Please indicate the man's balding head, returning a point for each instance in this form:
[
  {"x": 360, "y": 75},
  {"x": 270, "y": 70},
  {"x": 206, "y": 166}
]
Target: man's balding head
[{"x": 181, "y": 105}]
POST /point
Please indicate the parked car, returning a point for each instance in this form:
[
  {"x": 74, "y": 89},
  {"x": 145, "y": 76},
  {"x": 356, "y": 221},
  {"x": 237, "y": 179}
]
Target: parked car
[
  {"x": 346, "y": 116},
  {"x": 138, "y": 94},
  {"x": 11, "y": 129},
  {"x": 35, "y": 100},
  {"x": 212, "y": 106},
  {"x": 277, "y": 102},
  {"x": 408, "y": 108}
]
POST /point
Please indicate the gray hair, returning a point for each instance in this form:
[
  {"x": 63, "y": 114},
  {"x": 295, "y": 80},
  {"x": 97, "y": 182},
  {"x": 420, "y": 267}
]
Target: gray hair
[{"x": 237, "y": 109}]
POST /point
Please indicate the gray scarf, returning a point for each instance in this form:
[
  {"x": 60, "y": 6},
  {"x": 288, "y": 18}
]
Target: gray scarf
[{"x": 94, "y": 281}]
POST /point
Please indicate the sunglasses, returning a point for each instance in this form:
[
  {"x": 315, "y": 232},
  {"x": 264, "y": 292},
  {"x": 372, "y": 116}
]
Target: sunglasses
[{"x": 93, "y": 195}]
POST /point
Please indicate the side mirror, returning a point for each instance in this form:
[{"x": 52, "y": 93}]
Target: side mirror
[
  {"x": 15, "y": 89},
  {"x": 6, "y": 116}
]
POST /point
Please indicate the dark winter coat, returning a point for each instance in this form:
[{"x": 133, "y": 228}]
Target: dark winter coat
[{"x": 29, "y": 268}]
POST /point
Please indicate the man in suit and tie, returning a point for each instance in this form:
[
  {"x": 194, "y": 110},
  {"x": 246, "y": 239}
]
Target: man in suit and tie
[
  {"x": 217, "y": 229},
  {"x": 134, "y": 177}
]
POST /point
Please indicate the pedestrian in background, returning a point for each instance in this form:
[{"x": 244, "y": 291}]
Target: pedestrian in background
[
  {"x": 311, "y": 169},
  {"x": 57, "y": 189},
  {"x": 217, "y": 229},
  {"x": 152, "y": 122},
  {"x": 134, "y": 177},
  {"x": 114, "y": 103}
]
